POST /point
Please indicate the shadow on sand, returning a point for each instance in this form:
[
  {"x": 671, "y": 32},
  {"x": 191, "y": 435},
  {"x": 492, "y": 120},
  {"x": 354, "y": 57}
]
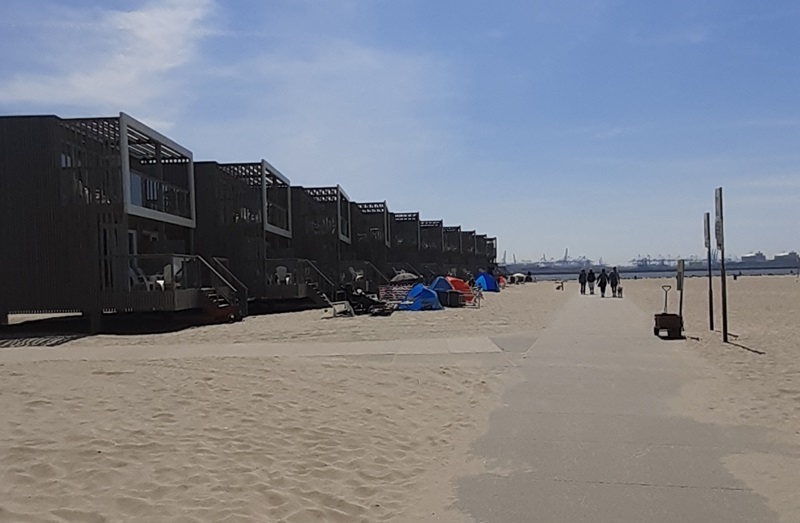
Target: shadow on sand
[{"x": 52, "y": 332}]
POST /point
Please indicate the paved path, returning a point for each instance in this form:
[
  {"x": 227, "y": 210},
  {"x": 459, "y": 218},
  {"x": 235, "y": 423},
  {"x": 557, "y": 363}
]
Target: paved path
[{"x": 589, "y": 436}]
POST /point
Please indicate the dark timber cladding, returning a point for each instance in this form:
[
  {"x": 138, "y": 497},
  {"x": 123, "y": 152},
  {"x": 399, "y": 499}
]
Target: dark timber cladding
[
  {"x": 79, "y": 198},
  {"x": 372, "y": 232},
  {"x": 491, "y": 251},
  {"x": 432, "y": 246},
  {"x": 468, "y": 242},
  {"x": 480, "y": 245},
  {"x": 451, "y": 245},
  {"x": 243, "y": 218},
  {"x": 468, "y": 255},
  {"x": 322, "y": 226},
  {"x": 451, "y": 237},
  {"x": 406, "y": 239}
]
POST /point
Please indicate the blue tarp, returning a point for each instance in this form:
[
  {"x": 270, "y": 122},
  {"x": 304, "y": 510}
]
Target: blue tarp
[
  {"x": 441, "y": 284},
  {"x": 420, "y": 298},
  {"x": 487, "y": 282}
]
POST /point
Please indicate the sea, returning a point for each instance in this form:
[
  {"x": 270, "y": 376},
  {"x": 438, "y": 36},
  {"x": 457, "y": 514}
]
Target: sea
[{"x": 694, "y": 273}]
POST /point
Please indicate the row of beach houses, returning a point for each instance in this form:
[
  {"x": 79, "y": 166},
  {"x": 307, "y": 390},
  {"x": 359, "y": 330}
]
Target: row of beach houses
[{"x": 107, "y": 215}]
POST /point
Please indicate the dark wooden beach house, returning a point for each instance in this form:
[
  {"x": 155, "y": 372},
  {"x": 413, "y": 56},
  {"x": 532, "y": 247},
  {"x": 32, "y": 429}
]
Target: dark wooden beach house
[
  {"x": 491, "y": 253},
  {"x": 468, "y": 254},
  {"x": 431, "y": 251},
  {"x": 301, "y": 272},
  {"x": 243, "y": 219},
  {"x": 451, "y": 245},
  {"x": 372, "y": 243},
  {"x": 406, "y": 240},
  {"x": 481, "y": 262},
  {"x": 98, "y": 215}
]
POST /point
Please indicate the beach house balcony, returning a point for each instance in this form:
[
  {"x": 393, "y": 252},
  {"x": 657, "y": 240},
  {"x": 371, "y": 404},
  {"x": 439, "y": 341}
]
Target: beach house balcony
[
  {"x": 491, "y": 252},
  {"x": 451, "y": 245},
  {"x": 406, "y": 241},
  {"x": 432, "y": 259},
  {"x": 372, "y": 241},
  {"x": 98, "y": 216},
  {"x": 322, "y": 237},
  {"x": 244, "y": 218}
]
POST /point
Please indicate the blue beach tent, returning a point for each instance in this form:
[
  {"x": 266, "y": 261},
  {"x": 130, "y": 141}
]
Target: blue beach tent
[
  {"x": 441, "y": 284},
  {"x": 487, "y": 282},
  {"x": 420, "y": 298}
]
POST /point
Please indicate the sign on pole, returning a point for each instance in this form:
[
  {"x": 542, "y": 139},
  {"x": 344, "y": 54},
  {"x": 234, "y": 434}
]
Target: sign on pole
[
  {"x": 718, "y": 228},
  {"x": 721, "y": 247},
  {"x": 680, "y": 289}
]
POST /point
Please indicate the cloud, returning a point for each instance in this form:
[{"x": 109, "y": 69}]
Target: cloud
[
  {"x": 337, "y": 111},
  {"x": 109, "y": 59}
]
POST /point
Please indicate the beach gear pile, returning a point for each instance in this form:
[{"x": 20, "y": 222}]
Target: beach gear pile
[{"x": 446, "y": 291}]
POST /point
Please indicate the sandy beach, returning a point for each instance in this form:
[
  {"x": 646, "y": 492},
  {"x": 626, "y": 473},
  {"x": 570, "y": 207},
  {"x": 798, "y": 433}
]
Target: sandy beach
[
  {"x": 267, "y": 438},
  {"x": 519, "y": 308},
  {"x": 216, "y": 424},
  {"x": 761, "y": 363}
]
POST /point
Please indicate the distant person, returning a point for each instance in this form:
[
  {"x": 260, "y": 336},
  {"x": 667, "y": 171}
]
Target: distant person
[
  {"x": 590, "y": 279},
  {"x": 582, "y": 280},
  {"x": 613, "y": 281},
  {"x": 529, "y": 277},
  {"x": 602, "y": 282}
]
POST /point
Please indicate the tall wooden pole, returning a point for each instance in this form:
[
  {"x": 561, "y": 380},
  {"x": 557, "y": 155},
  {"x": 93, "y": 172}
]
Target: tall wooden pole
[{"x": 710, "y": 273}]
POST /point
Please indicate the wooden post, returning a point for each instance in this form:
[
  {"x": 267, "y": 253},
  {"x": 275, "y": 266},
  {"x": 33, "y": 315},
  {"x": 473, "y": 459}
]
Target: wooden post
[
  {"x": 94, "y": 320},
  {"x": 710, "y": 273},
  {"x": 721, "y": 245}
]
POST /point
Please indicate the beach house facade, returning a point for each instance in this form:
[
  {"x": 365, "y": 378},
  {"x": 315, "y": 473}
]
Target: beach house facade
[
  {"x": 98, "y": 216},
  {"x": 431, "y": 251},
  {"x": 244, "y": 218},
  {"x": 406, "y": 240}
]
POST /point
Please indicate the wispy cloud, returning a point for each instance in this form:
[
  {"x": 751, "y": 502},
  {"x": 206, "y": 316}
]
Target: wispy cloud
[
  {"x": 337, "y": 111},
  {"x": 113, "y": 59}
]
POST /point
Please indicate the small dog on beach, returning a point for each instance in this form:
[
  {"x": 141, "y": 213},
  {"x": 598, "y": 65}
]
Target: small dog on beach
[{"x": 619, "y": 291}]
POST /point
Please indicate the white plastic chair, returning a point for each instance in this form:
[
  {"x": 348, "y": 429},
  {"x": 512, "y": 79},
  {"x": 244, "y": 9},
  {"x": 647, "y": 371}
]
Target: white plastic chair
[{"x": 282, "y": 274}]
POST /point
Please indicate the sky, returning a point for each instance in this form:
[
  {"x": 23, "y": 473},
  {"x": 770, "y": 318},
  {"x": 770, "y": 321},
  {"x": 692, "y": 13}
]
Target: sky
[{"x": 598, "y": 126}]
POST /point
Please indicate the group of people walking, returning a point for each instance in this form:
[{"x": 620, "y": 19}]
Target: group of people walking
[{"x": 602, "y": 281}]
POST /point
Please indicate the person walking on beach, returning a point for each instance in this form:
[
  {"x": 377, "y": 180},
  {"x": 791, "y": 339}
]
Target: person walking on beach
[
  {"x": 582, "y": 280},
  {"x": 590, "y": 279},
  {"x": 613, "y": 280},
  {"x": 602, "y": 281}
]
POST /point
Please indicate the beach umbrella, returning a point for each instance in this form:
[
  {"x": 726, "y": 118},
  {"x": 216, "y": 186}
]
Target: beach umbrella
[{"x": 404, "y": 276}]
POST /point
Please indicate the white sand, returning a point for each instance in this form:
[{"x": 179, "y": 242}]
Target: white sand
[
  {"x": 764, "y": 313},
  {"x": 519, "y": 307},
  {"x": 263, "y": 438}
]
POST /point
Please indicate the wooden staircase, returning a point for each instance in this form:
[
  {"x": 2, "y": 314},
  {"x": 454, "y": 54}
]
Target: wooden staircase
[
  {"x": 318, "y": 297},
  {"x": 219, "y": 309}
]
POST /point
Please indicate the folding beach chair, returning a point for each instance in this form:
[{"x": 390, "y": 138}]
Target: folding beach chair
[{"x": 477, "y": 296}]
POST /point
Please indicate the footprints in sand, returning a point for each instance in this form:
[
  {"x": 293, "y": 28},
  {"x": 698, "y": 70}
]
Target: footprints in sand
[{"x": 226, "y": 438}]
